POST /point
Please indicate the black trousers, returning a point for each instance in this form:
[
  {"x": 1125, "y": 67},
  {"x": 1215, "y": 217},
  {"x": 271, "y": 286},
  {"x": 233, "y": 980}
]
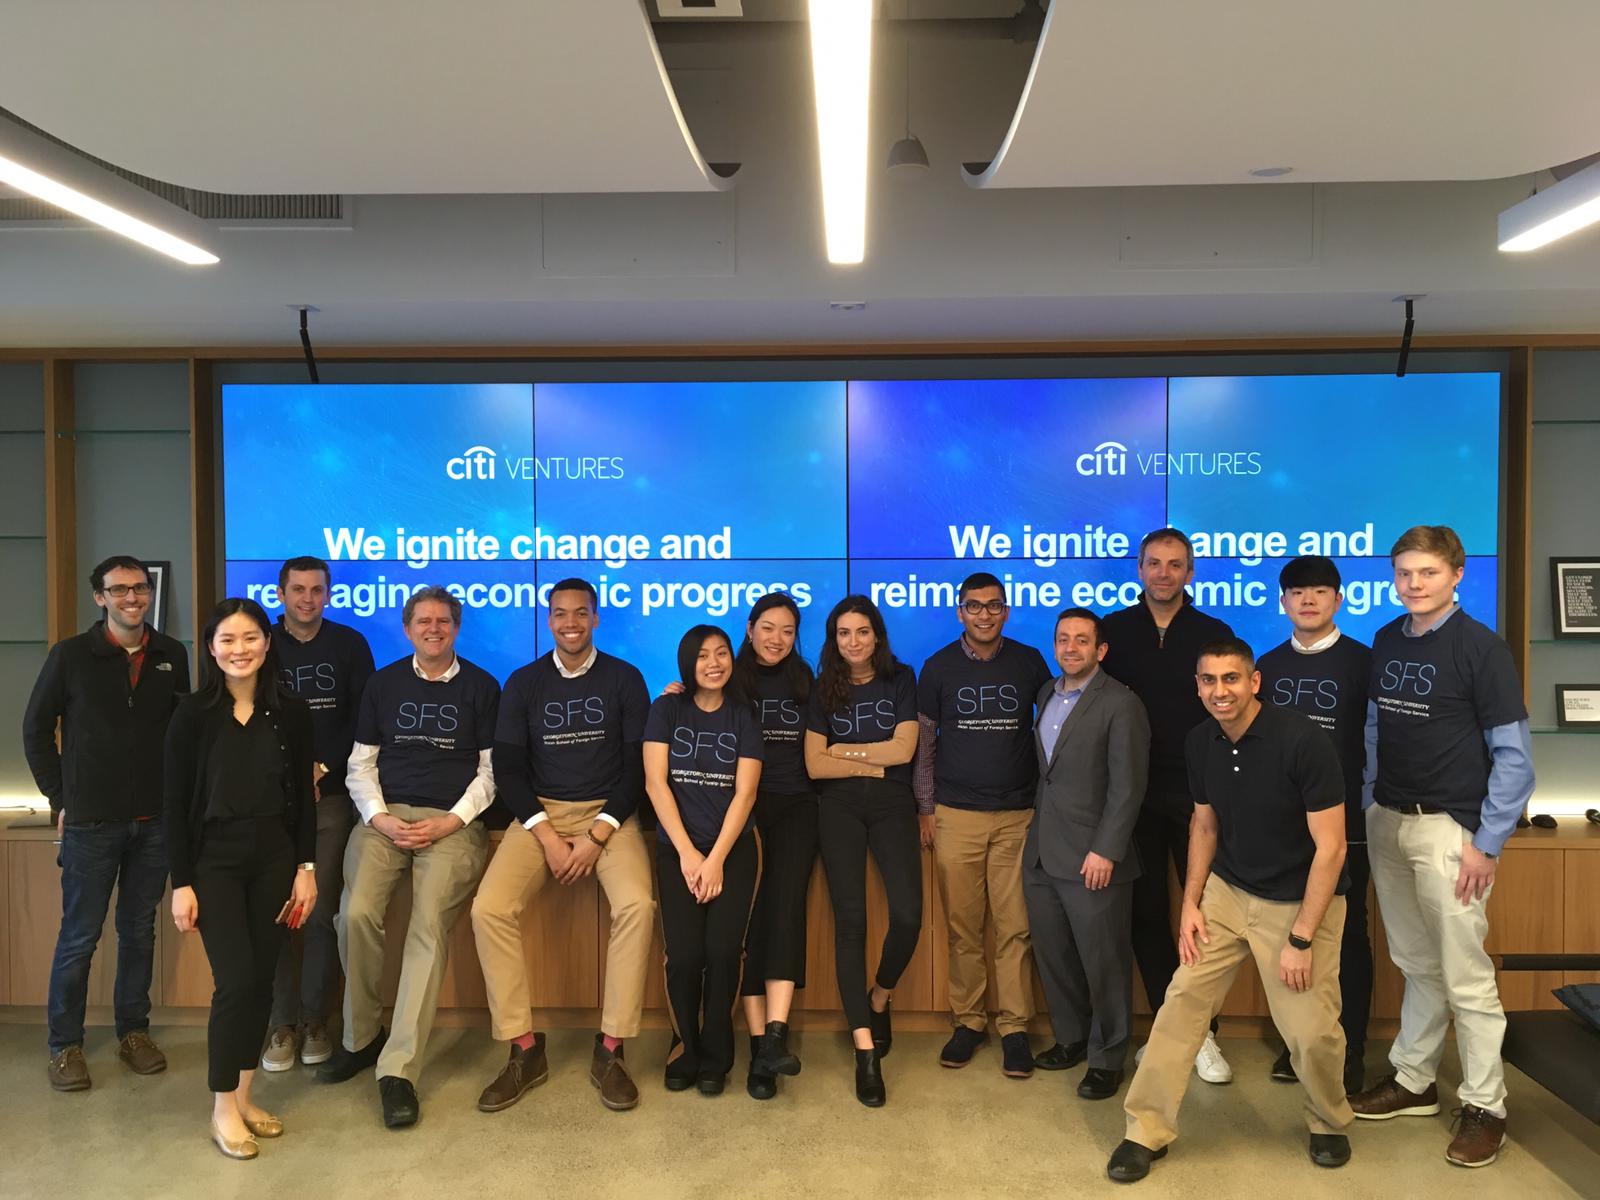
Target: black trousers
[
  {"x": 776, "y": 945},
  {"x": 705, "y": 950},
  {"x": 1162, "y": 832},
  {"x": 306, "y": 988},
  {"x": 243, "y": 875},
  {"x": 855, "y": 816},
  {"x": 1355, "y": 953}
]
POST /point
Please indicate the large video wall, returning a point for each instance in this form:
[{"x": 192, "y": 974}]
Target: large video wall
[{"x": 684, "y": 502}]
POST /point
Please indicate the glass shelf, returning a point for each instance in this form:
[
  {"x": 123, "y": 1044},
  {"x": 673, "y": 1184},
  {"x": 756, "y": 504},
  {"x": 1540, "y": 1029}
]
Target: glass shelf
[
  {"x": 23, "y": 642},
  {"x": 20, "y": 432},
  {"x": 78, "y": 433},
  {"x": 1557, "y": 729},
  {"x": 1573, "y": 643},
  {"x": 1570, "y": 421},
  {"x": 21, "y": 537}
]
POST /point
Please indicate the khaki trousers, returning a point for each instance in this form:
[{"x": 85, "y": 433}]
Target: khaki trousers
[
  {"x": 442, "y": 877},
  {"x": 1437, "y": 942},
  {"x": 516, "y": 874},
  {"x": 1242, "y": 926},
  {"x": 979, "y": 861}
]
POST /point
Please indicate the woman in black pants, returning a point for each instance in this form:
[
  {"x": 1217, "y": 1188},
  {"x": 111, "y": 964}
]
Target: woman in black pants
[
  {"x": 702, "y": 762},
  {"x": 241, "y": 832},
  {"x": 772, "y": 673},
  {"x": 861, "y": 735}
]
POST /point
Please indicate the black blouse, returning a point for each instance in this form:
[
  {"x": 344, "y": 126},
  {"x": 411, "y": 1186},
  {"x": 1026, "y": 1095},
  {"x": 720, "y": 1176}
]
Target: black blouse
[{"x": 244, "y": 771}]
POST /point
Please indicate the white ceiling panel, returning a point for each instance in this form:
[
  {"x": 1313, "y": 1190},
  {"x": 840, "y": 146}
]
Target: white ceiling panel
[
  {"x": 356, "y": 96},
  {"x": 1155, "y": 92}
]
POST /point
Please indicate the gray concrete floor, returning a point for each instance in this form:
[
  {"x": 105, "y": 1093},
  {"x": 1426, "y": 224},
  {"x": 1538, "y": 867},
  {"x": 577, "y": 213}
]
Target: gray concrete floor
[{"x": 968, "y": 1133}]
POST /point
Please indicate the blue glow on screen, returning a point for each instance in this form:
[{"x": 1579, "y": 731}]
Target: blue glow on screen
[{"x": 683, "y": 502}]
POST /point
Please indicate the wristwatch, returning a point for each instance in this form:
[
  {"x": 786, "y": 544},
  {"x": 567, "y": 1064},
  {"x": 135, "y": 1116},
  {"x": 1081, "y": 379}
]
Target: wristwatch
[
  {"x": 310, "y": 866},
  {"x": 1298, "y": 942}
]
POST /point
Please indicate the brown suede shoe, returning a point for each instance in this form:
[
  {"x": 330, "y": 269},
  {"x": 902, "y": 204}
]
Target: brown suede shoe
[
  {"x": 1479, "y": 1136},
  {"x": 608, "y": 1073},
  {"x": 67, "y": 1071},
  {"x": 523, "y": 1070},
  {"x": 1388, "y": 1099},
  {"x": 141, "y": 1054}
]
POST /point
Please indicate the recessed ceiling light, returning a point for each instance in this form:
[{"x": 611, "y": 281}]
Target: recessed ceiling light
[
  {"x": 1271, "y": 172},
  {"x": 841, "y": 70}
]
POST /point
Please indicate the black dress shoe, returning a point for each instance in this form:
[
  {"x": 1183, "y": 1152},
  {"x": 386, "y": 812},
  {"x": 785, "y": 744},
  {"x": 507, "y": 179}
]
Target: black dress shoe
[
  {"x": 869, "y": 1079},
  {"x": 1100, "y": 1083},
  {"x": 1283, "y": 1068},
  {"x": 882, "y": 1032},
  {"x": 1061, "y": 1058},
  {"x": 773, "y": 1052},
  {"x": 1330, "y": 1149},
  {"x": 1130, "y": 1162},
  {"x": 400, "y": 1107},
  {"x": 347, "y": 1064},
  {"x": 761, "y": 1085},
  {"x": 711, "y": 1083}
]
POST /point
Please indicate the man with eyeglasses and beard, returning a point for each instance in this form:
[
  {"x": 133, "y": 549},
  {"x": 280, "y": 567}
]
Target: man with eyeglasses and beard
[
  {"x": 974, "y": 782},
  {"x": 113, "y": 688}
]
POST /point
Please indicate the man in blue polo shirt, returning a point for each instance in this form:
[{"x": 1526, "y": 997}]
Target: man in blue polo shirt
[{"x": 1449, "y": 770}]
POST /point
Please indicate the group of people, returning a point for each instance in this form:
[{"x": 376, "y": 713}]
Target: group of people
[{"x": 297, "y": 787}]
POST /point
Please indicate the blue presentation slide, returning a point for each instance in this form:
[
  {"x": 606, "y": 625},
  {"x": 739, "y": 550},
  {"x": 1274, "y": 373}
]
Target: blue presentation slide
[{"x": 685, "y": 502}]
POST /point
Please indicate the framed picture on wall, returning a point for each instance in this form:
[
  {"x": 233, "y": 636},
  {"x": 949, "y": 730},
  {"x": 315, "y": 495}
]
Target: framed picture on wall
[
  {"x": 1575, "y": 597},
  {"x": 1578, "y": 706},
  {"x": 160, "y": 574}
]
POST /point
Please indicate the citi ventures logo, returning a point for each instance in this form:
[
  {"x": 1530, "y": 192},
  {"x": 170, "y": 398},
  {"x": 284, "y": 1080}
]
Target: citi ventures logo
[
  {"x": 476, "y": 462},
  {"x": 1108, "y": 458}
]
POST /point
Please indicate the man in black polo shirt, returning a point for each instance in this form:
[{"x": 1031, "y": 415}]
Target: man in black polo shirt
[
  {"x": 1324, "y": 673},
  {"x": 1266, "y": 877},
  {"x": 974, "y": 782},
  {"x": 327, "y": 665},
  {"x": 113, "y": 690},
  {"x": 1151, "y": 650}
]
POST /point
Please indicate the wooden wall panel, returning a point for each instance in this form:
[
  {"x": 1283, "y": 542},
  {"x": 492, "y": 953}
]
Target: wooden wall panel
[
  {"x": 1581, "y": 923},
  {"x": 916, "y": 990},
  {"x": 5, "y": 925},
  {"x": 183, "y": 972},
  {"x": 34, "y": 887},
  {"x": 1525, "y": 906}
]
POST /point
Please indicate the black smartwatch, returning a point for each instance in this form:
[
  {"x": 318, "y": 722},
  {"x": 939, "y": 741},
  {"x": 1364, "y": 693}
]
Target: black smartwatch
[{"x": 1298, "y": 942}]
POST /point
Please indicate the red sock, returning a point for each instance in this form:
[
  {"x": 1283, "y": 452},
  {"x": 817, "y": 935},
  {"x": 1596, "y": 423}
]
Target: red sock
[
  {"x": 525, "y": 1042},
  {"x": 609, "y": 1042}
]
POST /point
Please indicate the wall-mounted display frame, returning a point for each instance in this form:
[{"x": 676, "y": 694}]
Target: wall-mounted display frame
[
  {"x": 1575, "y": 597},
  {"x": 1578, "y": 706}
]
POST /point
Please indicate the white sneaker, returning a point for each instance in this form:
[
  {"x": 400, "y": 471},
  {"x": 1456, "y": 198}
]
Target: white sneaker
[
  {"x": 1209, "y": 1063},
  {"x": 1138, "y": 1055},
  {"x": 279, "y": 1054}
]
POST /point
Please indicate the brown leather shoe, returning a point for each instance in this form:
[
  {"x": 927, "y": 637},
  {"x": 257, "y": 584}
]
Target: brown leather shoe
[
  {"x": 1388, "y": 1099},
  {"x": 67, "y": 1071},
  {"x": 608, "y": 1073},
  {"x": 141, "y": 1054},
  {"x": 524, "y": 1069},
  {"x": 1479, "y": 1136}
]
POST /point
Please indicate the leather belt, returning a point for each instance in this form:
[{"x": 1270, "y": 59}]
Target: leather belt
[{"x": 1414, "y": 810}]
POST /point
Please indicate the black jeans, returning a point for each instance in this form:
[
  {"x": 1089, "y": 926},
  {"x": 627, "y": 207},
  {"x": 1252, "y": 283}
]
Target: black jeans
[
  {"x": 1355, "y": 953},
  {"x": 304, "y": 989},
  {"x": 855, "y": 816},
  {"x": 96, "y": 858},
  {"x": 1162, "y": 831},
  {"x": 776, "y": 945},
  {"x": 705, "y": 949},
  {"x": 243, "y": 875}
]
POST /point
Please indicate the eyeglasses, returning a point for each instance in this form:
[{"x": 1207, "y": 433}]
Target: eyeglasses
[
  {"x": 118, "y": 590},
  {"x": 973, "y": 607}
]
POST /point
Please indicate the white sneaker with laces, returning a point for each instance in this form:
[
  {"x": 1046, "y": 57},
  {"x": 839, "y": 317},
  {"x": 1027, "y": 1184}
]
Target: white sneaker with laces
[{"x": 1209, "y": 1063}]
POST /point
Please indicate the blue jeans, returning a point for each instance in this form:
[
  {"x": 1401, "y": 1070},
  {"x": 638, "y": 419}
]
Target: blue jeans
[{"x": 97, "y": 856}]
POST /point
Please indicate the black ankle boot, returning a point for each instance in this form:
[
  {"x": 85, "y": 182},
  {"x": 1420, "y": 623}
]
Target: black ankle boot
[
  {"x": 774, "y": 1055},
  {"x": 882, "y": 1028},
  {"x": 760, "y": 1083},
  {"x": 869, "y": 1079}
]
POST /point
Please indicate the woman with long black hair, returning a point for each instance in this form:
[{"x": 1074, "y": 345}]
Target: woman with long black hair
[
  {"x": 702, "y": 763},
  {"x": 241, "y": 832},
  {"x": 861, "y": 735}
]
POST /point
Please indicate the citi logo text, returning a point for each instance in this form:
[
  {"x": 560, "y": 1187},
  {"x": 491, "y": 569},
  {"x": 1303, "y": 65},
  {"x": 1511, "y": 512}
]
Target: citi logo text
[
  {"x": 1108, "y": 458},
  {"x": 476, "y": 462}
]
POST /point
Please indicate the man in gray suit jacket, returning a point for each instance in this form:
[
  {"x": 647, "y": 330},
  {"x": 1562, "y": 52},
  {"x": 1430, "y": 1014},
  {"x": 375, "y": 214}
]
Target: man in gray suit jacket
[{"x": 1093, "y": 741}]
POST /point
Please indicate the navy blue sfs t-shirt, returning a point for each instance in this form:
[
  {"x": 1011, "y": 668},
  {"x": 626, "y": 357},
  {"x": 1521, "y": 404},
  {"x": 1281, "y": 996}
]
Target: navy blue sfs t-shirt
[
  {"x": 984, "y": 711},
  {"x": 428, "y": 732},
  {"x": 1436, "y": 696},
  {"x": 874, "y": 710},
  {"x": 782, "y": 719},
  {"x": 1330, "y": 687},
  {"x": 329, "y": 673},
  {"x": 703, "y": 753}
]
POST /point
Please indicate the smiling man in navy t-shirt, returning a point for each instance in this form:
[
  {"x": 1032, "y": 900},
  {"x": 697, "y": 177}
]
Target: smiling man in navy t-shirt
[{"x": 1450, "y": 769}]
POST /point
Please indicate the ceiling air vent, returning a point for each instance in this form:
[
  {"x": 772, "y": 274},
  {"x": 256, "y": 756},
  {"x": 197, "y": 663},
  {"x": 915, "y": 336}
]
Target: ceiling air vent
[{"x": 700, "y": 8}]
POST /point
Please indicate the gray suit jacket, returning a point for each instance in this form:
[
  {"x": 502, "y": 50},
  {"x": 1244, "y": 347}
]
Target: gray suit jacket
[{"x": 1091, "y": 789}]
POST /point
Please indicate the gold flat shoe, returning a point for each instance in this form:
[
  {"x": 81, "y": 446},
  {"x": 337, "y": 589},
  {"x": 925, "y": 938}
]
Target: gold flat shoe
[
  {"x": 244, "y": 1148},
  {"x": 268, "y": 1126}
]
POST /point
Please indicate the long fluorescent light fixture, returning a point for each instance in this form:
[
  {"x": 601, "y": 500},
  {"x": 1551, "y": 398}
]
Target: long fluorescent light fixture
[
  {"x": 841, "y": 75},
  {"x": 56, "y": 175},
  {"x": 1560, "y": 209}
]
